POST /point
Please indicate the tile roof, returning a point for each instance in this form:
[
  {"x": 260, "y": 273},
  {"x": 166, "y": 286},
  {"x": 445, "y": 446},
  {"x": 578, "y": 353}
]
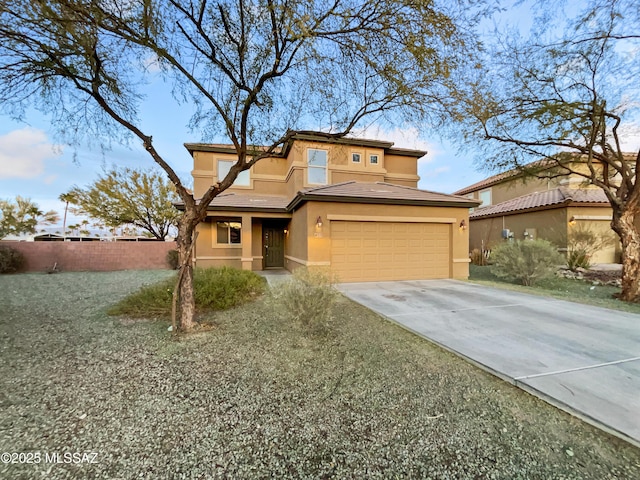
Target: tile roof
[
  {"x": 352, "y": 192},
  {"x": 382, "y": 192},
  {"x": 248, "y": 201},
  {"x": 558, "y": 196}
]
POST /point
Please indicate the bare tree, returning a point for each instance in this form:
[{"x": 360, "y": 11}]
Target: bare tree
[
  {"x": 567, "y": 97},
  {"x": 254, "y": 70}
]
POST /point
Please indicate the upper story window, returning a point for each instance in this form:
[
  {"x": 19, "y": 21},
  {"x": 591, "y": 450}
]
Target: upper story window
[
  {"x": 485, "y": 197},
  {"x": 242, "y": 180},
  {"x": 228, "y": 232},
  {"x": 472, "y": 197},
  {"x": 355, "y": 157},
  {"x": 373, "y": 159},
  {"x": 317, "y": 166}
]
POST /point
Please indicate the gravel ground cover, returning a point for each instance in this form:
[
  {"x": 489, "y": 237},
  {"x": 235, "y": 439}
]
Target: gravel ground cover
[
  {"x": 257, "y": 396},
  {"x": 580, "y": 291}
]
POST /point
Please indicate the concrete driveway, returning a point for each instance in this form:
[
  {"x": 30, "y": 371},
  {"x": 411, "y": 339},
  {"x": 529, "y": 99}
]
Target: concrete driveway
[{"x": 583, "y": 359}]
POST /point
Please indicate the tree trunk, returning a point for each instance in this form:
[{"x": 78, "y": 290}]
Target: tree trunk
[
  {"x": 624, "y": 225},
  {"x": 186, "y": 306}
]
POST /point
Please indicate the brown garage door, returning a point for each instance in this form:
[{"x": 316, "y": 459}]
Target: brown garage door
[{"x": 370, "y": 251}]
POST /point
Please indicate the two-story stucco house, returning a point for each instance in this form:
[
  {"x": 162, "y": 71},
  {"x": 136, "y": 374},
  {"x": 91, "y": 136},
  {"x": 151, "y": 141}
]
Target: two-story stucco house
[
  {"x": 522, "y": 207},
  {"x": 350, "y": 204}
]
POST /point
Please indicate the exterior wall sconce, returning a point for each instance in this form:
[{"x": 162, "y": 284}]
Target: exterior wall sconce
[
  {"x": 463, "y": 224},
  {"x": 572, "y": 221},
  {"x": 286, "y": 231},
  {"x": 319, "y": 222}
]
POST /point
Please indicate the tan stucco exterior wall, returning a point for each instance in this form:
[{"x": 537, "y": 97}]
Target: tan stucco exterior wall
[
  {"x": 296, "y": 242},
  {"x": 552, "y": 225},
  {"x": 319, "y": 242},
  {"x": 308, "y": 245},
  {"x": 547, "y": 224},
  {"x": 598, "y": 221},
  {"x": 287, "y": 176}
]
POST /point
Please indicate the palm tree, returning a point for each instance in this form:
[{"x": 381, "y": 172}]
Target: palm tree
[{"x": 66, "y": 198}]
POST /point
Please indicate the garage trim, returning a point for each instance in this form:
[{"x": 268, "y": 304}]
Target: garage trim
[{"x": 357, "y": 218}]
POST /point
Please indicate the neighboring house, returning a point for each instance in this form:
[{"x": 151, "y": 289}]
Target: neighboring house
[
  {"x": 350, "y": 205},
  {"x": 523, "y": 207}
]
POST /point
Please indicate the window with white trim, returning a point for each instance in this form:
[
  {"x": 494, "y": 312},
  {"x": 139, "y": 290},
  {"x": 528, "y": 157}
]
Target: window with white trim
[
  {"x": 317, "y": 166},
  {"x": 355, "y": 157},
  {"x": 242, "y": 180},
  {"x": 228, "y": 232},
  {"x": 373, "y": 159},
  {"x": 485, "y": 197}
]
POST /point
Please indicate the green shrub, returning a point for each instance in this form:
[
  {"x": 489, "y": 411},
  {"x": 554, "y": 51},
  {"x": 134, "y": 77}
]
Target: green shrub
[
  {"x": 173, "y": 259},
  {"x": 525, "y": 261},
  {"x": 214, "y": 289},
  {"x": 226, "y": 287},
  {"x": 11, "y": 260},
  {"x": 307, "y": 299}
]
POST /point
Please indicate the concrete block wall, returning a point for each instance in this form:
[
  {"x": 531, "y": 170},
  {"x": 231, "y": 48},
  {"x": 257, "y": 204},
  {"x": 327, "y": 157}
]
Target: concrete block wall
[{"x": 93, "y": 256}]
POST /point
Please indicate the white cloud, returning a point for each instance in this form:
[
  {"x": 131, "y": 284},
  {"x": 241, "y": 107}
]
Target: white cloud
[
  {"x": 23, "y": 153},
  {"x": 401, "y": 138}
]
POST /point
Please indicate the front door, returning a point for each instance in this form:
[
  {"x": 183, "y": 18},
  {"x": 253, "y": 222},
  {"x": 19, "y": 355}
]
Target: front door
[{"x": 273, "y": 246}]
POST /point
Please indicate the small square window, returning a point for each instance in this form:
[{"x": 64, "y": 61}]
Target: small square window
[
  {"x": 355, "y": 157},
  {"x": 373, "y": 159}
]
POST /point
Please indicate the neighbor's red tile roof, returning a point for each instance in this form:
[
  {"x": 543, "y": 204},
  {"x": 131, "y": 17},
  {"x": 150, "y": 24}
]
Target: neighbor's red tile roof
[{"x": 558, "y": 196}]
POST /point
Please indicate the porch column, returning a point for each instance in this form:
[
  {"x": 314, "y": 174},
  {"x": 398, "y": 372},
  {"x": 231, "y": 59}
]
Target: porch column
[{"x": 247, "y": 237}]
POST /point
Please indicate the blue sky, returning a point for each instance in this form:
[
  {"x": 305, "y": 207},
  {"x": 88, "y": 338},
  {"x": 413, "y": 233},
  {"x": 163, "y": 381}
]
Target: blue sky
[{"x": 34, "y": 166}]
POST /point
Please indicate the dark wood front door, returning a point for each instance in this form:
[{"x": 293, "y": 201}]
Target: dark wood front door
[{"x": 273, "y": 246}]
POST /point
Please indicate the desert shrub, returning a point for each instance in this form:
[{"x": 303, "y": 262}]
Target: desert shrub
[
  {"x": 479, "y": 257},
  {"x": 11, "y": 260},
  {"x": 307, "y": 298},
  {"x": 578, "y": 258},
  {"x": 226, "y": 287},
  {"x": 525, "y": 261},
  {"x": 214, "y": 289},
  {"x": 582, "y": 243},
  {"x": 173, "y": 259}
]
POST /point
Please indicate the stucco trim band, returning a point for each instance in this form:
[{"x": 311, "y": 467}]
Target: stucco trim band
[
  {"x": 373, "y": 218},
  {"x": 306, "y": 263},
  {"x": 593, "y": 217}
]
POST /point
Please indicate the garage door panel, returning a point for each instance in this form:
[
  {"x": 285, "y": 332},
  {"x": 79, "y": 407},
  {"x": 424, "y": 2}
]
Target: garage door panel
[{"x": 369, "y": 251}]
